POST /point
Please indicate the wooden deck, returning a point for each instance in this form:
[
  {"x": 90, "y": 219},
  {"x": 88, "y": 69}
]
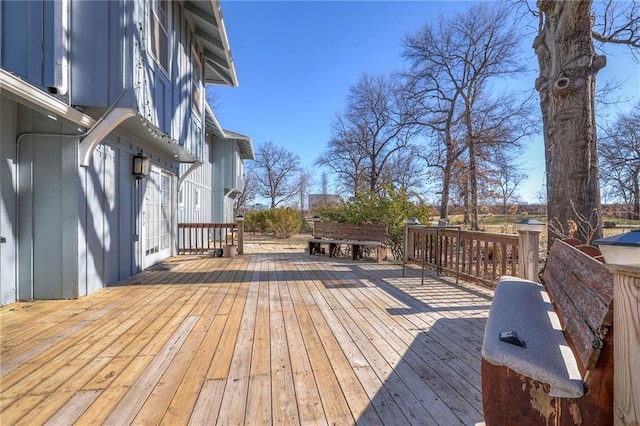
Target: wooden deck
[{"x": 257, "y": 339}]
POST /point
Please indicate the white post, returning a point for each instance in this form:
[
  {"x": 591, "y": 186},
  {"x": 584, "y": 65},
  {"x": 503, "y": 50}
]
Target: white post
[
  {"x": 622, "y": 254},
  {"x": 626, "y": 341},
  {"x": 528, "y": 247}
]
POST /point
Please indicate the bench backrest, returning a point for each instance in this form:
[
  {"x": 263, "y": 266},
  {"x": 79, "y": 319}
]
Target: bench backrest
[
  {"x": 347, "y": 231},
  {"x": 581, "y": 289}
]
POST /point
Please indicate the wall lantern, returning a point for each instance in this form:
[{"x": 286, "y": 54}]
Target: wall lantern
[
  {"x": 623, "y": 249},
  {"x": 141, "y": 166}
]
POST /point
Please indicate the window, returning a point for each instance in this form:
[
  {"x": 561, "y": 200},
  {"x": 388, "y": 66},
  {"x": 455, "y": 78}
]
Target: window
[
  {"x": 196, "y": 83},
  {"x": 159, "y": 33}
]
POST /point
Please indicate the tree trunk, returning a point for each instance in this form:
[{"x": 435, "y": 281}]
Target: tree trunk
[
  {"x": 446, "y": 184},
  {"x": 473, "y": 169},
  {"x": 636, "y": 196},
  {"x": 568, "y": 67}
]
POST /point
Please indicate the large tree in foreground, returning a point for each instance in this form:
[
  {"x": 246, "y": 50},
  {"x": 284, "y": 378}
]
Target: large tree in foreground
[
  {"x": 568, "y": 67},
  {"x": 275, "y": 169}
]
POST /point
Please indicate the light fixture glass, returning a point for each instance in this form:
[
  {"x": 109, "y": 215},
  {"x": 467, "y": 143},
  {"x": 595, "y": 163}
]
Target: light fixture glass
[
  {"x": 621, "y": 249},
  {"x": 141, "y": 165}
]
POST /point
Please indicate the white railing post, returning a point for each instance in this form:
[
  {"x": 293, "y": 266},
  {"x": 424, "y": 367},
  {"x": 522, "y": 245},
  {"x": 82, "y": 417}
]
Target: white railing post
[
  {"x": 528, "y": 247},
  {"x": 622, "y": 254}
]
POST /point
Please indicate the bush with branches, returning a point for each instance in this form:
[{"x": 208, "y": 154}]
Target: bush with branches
[
  {"x": 390, "y": 210},
  {"x": 279, "y": 222}
]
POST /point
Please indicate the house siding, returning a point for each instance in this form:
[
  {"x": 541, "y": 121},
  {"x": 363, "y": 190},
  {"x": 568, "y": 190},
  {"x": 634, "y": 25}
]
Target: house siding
[
  {"x": 26, "y": 35},
  {"x": 8, "y": 201},
  {"x": 70, "y": 229}
]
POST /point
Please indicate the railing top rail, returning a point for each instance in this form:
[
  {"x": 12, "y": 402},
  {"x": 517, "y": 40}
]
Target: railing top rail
[
  {"x": 480, "y": 235},
  {"x": 207, "y": 225}
]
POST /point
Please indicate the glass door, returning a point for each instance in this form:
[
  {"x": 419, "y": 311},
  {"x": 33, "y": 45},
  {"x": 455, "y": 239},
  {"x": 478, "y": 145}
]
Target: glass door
[{"x": 157, "y": 217}]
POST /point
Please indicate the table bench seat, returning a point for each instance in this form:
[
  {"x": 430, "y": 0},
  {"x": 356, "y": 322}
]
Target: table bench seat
[{"x": 356, "y": 236}]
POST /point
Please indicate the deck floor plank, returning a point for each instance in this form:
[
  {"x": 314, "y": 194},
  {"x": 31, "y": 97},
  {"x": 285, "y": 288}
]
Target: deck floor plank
[
  {"x": 259, "y": 392},
  {"x": 284, "y": 408},
  {"x": 266, "y": 338}
]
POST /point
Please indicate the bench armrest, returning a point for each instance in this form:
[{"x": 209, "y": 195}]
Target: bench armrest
[{"x": 524, "y": 307}]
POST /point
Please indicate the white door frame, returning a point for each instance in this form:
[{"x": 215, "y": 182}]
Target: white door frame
[{"x": 157, "y": 217}]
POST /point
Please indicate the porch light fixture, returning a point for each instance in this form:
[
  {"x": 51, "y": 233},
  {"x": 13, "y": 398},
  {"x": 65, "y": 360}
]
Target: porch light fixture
[
  {"x": 240, "y": 218},
  {"x": 141, "y": 166},
  {"x": 622, "y": 249}
]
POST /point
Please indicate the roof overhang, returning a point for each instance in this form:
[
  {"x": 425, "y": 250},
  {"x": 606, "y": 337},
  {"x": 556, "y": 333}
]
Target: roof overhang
[
  {"x": 146, "y": 135},
  {"x": 245, "y": 145},
  {"x": 27, "y": 94},
  {"x": 211, "y": 35}
]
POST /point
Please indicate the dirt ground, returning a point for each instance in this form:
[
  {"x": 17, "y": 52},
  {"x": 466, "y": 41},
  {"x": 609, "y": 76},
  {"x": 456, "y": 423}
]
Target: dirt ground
[{"x": 268, "y": 244}]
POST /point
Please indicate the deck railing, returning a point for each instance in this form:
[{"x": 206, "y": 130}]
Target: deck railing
[
  {"x": 202, "y": 238},
  {"x": 476, "y": 256}
]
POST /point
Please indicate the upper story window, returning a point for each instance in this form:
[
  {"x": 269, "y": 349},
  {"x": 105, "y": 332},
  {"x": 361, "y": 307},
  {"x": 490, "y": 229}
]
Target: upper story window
[
  {"x": 196, "y": 83},
  {"x": 159, "y": 33}
]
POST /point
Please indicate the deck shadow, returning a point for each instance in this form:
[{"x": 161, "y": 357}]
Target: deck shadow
[{"x": 436, "y": 381}]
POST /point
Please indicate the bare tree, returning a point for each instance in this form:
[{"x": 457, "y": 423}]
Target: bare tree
[
  {"x": 567, "y": 85},
  {"x": 344, "y": 158},
  {"x": 506, "y": 176},
  {"x": 405, "y": 171},
  {"x": 620, "y": 160},
  {"x": 324, "y": 184},
  {"x": 501, "y": 124},
  {"x": 241, "y": 203},
  {"x": 452, "y": 63},
  {"x": 305, "y": 180},
  {"x": 368, "y": 133},
  {"x": 275, "y": 169}
]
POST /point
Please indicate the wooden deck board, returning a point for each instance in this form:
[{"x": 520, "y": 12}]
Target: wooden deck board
[{"x": 257, "y": 339}]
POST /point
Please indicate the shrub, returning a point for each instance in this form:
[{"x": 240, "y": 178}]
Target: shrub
[
  {"x": 255, "y": 221},
  {"x": 280, "y": 222},
  {"x": 283, "y": 222}
]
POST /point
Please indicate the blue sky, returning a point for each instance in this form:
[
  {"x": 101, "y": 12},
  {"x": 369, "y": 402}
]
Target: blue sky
[{"x": 295, "y": 61}]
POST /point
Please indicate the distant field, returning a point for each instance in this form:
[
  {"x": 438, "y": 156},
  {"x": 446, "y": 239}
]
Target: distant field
[{"x": 496, "y": 224}]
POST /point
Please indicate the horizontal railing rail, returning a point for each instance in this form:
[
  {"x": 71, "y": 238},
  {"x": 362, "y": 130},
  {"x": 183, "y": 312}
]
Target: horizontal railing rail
[
  {"x": 201, "y": 238},
  {"x": 476, "y": 256}
]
